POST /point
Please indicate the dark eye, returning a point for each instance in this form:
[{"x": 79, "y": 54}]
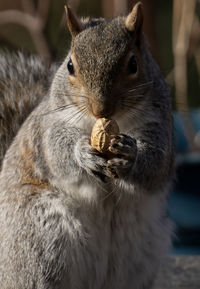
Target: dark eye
[
  {"x": 70, "y": 67},
  {"x": 132, "y": 65}
]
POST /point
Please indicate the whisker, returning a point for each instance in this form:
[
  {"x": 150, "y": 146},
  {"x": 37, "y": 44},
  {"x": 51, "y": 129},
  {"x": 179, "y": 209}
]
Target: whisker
[
  {"x": 119, "y": 197},
  {"x": 130, "y": 95},
  {"x": 131, "y": 101},
  {"x": 108, "y": 195},
  {"x": 84, "y": 96},
  {"x": 82, "y": 114},
  {"x": 99, "y": 184},
  {"x": 79, "y": 114},
  {"x": 139, "y": 87},
  {"x": 60, "y": 108},
  {"x": 148, "y": 83},
  {"x": 72, "y": 118},
  {"x": 136, "y": 113}
]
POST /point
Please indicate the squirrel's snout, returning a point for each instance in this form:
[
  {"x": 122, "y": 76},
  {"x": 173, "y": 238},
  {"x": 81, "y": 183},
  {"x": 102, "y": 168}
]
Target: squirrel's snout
[{"x": 102, "y": 109}]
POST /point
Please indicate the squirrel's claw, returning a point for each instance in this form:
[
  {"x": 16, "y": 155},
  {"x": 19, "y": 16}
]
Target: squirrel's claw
[
  {"x": 91, "y": 160},
  {"x": 124, "y": 150},
  {"x": 123, "y": 146}
]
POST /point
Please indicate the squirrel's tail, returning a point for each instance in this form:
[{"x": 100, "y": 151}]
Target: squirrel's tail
[{"x": 24, "y": 80}]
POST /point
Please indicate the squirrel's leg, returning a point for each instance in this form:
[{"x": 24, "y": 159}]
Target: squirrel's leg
[{"x": 38, "y": 248}]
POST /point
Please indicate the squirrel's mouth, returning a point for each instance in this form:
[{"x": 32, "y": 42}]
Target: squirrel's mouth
[{"x": 102, "y": 109}]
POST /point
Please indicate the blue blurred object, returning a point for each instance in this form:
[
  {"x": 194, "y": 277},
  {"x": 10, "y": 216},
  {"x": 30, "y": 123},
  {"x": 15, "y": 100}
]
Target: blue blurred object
[
  {"x": 184, "y": 201},
  {"x": 180, "y": 140}
]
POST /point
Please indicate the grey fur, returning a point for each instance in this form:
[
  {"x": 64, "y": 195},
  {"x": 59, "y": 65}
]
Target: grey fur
[
  {"x": 23, "y": 83},
  {"x": 70, "y": 218}
]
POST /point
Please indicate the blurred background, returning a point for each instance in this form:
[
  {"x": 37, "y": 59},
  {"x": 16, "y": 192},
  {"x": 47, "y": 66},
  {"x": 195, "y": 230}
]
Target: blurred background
[{"x": 173, "y": 30}]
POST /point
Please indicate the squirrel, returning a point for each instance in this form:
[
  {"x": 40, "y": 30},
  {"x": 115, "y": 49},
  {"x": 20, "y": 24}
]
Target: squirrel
[{"x": 71, "y": 217}]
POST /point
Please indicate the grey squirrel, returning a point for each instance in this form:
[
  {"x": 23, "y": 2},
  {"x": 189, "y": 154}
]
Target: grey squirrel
[{"x": 67, "y": 221}]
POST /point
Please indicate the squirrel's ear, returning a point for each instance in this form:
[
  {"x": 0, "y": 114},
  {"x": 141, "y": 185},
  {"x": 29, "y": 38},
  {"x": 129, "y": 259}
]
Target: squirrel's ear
[
  {"x": 134, "y": 20},
  {"x": 73, "y": 23}
]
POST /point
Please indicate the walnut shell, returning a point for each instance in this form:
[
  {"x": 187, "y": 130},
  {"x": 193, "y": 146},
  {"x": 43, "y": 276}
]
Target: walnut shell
[{"x": 101, "y": 132}]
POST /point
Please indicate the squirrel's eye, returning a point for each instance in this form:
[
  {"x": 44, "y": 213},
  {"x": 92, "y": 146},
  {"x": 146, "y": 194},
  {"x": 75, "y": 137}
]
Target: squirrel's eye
[
  {"x": 70, "y": 67},
  {"x": 132, "y": 65}
]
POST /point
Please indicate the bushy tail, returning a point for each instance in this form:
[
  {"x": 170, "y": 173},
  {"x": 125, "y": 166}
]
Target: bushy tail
[{"x": 24, "y": 80}]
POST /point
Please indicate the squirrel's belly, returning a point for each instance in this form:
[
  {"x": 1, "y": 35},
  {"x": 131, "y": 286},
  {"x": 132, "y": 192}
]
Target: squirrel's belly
[
  {"x": 124, "y": 252},
  {"x": 136, "y": 253}
]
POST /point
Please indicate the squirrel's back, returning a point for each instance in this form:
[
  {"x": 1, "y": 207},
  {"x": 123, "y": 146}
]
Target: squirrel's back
[{"x": 24, "y": 80}]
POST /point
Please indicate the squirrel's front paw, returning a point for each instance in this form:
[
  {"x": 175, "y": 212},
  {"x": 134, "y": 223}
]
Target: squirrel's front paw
[
  {"x": 90, "y": 159},
  {"x": 124, "y": 151}
]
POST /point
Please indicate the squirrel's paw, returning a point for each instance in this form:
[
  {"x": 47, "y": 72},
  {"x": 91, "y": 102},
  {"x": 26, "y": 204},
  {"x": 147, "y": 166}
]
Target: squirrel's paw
[
  {"x": 124, "y": 149},
  {"x": 90, "y": 159}
]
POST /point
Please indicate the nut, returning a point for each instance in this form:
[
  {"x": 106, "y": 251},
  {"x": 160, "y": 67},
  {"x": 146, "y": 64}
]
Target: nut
[{"x": 101, "y": 132}]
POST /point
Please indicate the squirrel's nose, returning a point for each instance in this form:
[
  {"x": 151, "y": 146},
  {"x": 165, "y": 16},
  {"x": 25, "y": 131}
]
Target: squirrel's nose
[{"x": 102, "y": 109}]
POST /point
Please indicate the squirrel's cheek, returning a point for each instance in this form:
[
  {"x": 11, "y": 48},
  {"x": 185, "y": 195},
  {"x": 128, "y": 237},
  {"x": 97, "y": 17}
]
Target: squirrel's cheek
[
  {"x": 72, "y": 79},
  {"x": 76, "y": 84}
]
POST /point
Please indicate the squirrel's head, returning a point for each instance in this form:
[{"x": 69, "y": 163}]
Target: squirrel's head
[{"x": 105, "y": 62}]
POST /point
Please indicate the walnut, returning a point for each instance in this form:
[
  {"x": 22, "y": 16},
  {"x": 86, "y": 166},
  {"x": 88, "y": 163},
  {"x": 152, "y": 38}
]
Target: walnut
[{"x": 101, "y": 133}]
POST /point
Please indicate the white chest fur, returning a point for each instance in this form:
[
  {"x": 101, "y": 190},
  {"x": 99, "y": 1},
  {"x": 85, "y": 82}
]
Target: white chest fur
[{"x": 118, "y": 242}]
